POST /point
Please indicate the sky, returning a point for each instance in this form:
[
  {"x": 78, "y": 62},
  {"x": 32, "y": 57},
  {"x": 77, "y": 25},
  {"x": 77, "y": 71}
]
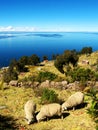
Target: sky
[{"x": 49, "y": 15}]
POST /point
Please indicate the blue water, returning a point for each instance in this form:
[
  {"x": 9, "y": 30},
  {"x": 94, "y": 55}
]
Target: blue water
[{"x": 17, "y": 44}]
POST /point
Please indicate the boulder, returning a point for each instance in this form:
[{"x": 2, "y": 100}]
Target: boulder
[
  {"x": 13, "y": 83},
  {"x": 45, "y": 84},
  {"x": 35, "y": 84}
]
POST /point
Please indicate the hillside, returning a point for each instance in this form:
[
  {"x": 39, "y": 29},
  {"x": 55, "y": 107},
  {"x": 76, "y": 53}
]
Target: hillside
[
  {"x": 12, "y": 100},
  {"x": 12, "y": 116},
  {"x": 92, "y": 59}
]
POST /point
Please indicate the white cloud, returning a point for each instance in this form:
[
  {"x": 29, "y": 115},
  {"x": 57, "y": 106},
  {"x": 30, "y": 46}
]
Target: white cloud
[
  {"x": 10, "y": 28},
  {"x": 56, "y": 29}
]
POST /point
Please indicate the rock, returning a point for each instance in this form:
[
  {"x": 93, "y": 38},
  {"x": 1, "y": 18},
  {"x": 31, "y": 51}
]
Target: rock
[
  {"x": 58, "y": 85},
  {"x": 35, "y": 84},
  {"x": 45, "y": 84},
  {"x": 52, "y": 84},
  {"x": 20, "y": 84},
  {"x": 64, "y": 83},
  {"x": 73, "y": 86},
  {"x": 13, "y": 83}
]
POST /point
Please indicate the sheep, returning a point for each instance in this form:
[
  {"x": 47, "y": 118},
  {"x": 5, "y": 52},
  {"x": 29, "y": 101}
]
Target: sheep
[
  {"x": 30, "y": 108},
  {"x": 49, "y": 110},
  {"x": 73, "y": 100}
]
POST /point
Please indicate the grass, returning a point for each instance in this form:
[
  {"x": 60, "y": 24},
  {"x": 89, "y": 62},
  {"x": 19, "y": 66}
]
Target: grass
[
  {"x": 49, "y": 66},
  {"x": 14, "y": 99},
  {"x": 92, "y": 58}
]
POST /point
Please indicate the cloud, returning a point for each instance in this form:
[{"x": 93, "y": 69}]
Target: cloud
[
  {"x": 49, "y": 29},
  {"x": 10, "y": 28}
]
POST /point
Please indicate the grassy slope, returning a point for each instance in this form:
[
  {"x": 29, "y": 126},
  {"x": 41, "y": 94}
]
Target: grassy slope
[
  {"x": 49, "y": 66},
  {"x": 15, "y": 98},
  {"x": 92, "y": 58}
]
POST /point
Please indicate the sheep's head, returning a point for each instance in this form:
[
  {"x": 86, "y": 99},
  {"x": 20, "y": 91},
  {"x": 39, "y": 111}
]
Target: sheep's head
[
  {"x": 40, "y": 117},
  {"x": 64, "y": 106},
  {"x": 29, "y": 121}
]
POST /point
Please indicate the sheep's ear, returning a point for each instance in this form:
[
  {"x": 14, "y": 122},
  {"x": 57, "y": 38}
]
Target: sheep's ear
[{"x": 65, "y": 108}]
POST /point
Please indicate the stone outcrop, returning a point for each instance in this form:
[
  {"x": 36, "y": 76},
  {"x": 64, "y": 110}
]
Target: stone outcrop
[
  {"x": 63, "y": 85},
  {"x": 13, "y": 83},
  {"x": 45, "y": 84}
]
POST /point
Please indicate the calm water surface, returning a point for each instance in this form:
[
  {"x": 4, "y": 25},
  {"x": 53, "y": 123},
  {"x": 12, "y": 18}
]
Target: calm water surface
[{"x": 14, "y": 45}]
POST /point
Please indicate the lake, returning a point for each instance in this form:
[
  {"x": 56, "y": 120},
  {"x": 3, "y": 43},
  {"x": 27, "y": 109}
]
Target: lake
[{"x": 13, "y": 45}]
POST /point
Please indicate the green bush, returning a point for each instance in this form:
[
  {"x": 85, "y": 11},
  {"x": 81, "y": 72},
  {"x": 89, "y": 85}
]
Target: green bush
[
  {"x": 10, "y": 75},
  {"x": 86, "y": 50},
  {"x": 66, "y": 58},
  {"x": 81, "y": 74},
  {"x": 42, "y": 76},
  {"x": 93, "y": 110},
  {"x": 48, "y": 96}
]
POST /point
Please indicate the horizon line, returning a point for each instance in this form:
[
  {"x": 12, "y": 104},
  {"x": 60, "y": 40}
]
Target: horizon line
[{"x": 51, "y": 31}]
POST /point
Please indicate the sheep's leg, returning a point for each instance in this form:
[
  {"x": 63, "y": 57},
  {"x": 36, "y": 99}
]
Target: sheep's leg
[
  {"x": 73, "y": 108},
  {"x": 62, "y": 116},
  {"x": 47, "y": 118}
]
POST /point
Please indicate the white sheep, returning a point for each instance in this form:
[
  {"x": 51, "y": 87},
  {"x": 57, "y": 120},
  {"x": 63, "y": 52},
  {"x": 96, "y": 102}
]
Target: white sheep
[
  {"x": 73, "y": 101},
  {"x": 49, "y": 110},
  {"x": 30, "y": 108}
]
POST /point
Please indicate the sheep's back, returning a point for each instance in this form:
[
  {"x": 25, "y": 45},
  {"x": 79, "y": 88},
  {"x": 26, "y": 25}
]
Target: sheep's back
[
  {"x": 75, "y": 99},
  {"x": 51, "y": 109},
  {"x": 30, "y": 107}
]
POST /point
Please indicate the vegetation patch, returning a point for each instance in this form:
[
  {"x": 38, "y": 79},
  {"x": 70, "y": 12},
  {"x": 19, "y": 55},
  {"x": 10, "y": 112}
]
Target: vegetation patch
[
  {"x": 43, "y": 76},
  {"x": 93, "y": 110},
  {"x": 15, "y": 98},
  {"x": 48, "y": 96}
]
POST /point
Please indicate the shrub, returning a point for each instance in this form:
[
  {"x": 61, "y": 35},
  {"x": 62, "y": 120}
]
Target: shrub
[
  {"x": 42, "y": 76},
  {"x": 48, "y": 96},
  {"x": 93, "y": 110},
  {"x": 86, "y": 50},
  {"x": 33, "y": 60},
  {"x": 10, "y": 75},
  {"x": 66, "y": 58},
  {"x": 81, "y": 74}
]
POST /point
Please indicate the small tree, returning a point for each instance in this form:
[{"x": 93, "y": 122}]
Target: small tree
[
  {"x": 10, "y": 75},
  {"x": 34, "y": 60},
  {"x": 86, "y": 50},
  {"x": 66, "y": 58},
  {"x": 42, "y": 76},
  {"x": 54, "y": 56},
  {"x": 24, "y": 60},
  {"x": 93, "y": 110},
  {"x": 48, "y": 96},
  {"x": 59, "y": 62},
  {"x": 81, "y": 74},
  {"x": 45, "y": 58}
]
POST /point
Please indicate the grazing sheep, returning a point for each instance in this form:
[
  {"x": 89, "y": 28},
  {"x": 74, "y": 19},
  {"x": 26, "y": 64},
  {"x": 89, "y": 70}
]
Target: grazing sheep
[
  {"x": 73, "y": 101},
  {"x": 49, "y": 110},
  {"x": 29, "y": 109}
]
